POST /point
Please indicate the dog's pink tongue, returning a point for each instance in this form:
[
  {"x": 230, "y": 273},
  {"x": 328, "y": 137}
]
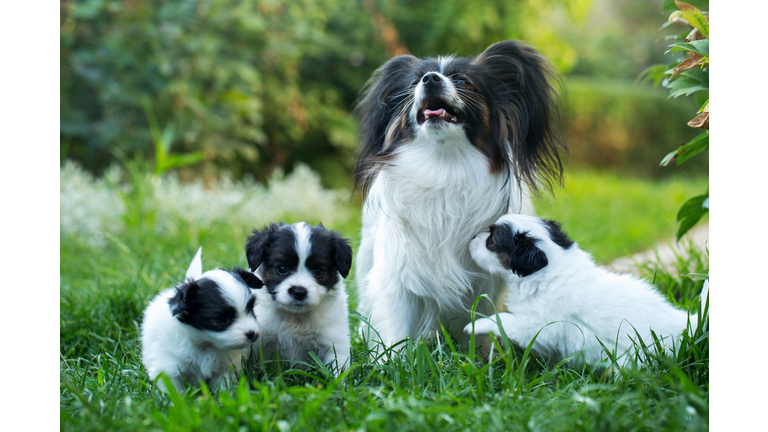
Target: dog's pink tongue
[{"x": 429, "y": 113}]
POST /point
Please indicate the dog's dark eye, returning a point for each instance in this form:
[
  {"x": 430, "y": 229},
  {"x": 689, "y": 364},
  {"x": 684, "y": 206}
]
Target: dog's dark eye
[
  {"x": 318, "y": 273},
  {"x": 460, "y": 79},
  {"x": 281, "y": 269},
  {"x": 223, "y": 320}
]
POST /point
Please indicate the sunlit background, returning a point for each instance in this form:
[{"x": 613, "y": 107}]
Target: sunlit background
[{"x": 247, "y": 91}]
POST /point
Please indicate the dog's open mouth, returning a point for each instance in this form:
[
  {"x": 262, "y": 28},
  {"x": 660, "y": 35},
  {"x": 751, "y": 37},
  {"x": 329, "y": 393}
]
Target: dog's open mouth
[{"x": 436, "y": 110}]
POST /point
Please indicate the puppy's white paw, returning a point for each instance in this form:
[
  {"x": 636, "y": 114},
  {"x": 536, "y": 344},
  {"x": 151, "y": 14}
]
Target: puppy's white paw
[{"x": 483, "y": 326}]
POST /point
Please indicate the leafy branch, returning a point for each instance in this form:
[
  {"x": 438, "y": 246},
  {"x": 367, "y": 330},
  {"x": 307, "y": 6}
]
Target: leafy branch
[{"x": 687, "y": 76}]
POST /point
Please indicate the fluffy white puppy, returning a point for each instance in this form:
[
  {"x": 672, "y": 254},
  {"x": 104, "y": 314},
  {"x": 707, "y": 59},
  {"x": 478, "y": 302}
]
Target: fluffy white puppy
[
  {"x": 304, "y": 305},
  {"x": 557, "y": 289},
  {"x": 196, "y": 330}
]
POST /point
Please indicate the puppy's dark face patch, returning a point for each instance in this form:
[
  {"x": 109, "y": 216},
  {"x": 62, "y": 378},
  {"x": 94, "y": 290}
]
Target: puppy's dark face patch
[
  {"x": 501, "y": 241},
  {"x": 280, "y": 259},
  {"x": 200, "y": 304},
  {"x": 516, "y": 250}
]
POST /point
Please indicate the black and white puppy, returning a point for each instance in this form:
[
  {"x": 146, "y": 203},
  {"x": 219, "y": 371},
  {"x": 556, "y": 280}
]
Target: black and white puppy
[
  {"x": 556, "y": 288},
  {"x": 448, "y": 146},
  {"x": 196, "y": 330},
  {"x": 304, "y": 305}
]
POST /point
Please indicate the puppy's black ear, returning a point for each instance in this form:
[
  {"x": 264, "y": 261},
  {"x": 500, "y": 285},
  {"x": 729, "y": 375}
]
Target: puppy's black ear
[
  {"x": 526, "y": 258},
  {"x": 379, "y": 102},
  {"x": 180, "y": 302},
  {"x": 528, "y": 102},
  {"x": 255, "y": 245},
  {"x": 249, "y": 278},
  {"x": 343, "y": 254}
]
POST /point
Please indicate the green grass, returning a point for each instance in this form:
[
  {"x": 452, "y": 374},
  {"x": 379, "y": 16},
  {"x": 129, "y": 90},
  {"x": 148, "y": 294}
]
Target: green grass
[
  {"x": 103, "y": 386},
  {"x": 612, "y": 216}
]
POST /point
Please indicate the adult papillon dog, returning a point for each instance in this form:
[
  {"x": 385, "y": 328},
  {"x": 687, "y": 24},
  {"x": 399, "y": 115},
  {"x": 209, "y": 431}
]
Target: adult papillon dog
[{"x": 448, "y": 145}]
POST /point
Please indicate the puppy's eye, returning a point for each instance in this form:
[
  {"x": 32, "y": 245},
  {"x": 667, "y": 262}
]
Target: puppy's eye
[
  {"x": 318, "y": 273},
  {"x": 223, "y": 320},
  {"x": 281, "y": 269}
]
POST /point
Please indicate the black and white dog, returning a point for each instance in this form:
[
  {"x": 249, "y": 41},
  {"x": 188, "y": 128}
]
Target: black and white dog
[
  {"x": 304, "y": 305},
  {"x": 448, "y": 146},
  {"x": 557, "y": 289},
  {"x": 196, "y": 330}
]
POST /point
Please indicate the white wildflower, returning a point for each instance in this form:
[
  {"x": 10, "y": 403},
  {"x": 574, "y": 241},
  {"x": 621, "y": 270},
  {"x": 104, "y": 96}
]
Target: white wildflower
[{"x": 92, "y": 207}]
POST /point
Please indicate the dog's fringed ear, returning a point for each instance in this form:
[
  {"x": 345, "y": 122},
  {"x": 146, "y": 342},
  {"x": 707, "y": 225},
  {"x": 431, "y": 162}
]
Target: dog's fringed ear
[
  {"x": 529, "y": 102},
  {"x": 195, "y": 269},
  {"x": 249, "y": 278},
  {"x": 179, "y": 303},
  {"x": 379, "y": 102},
  {"x": 526, "y": 258},
  {"x": 257, "y": 243},
  {"x": 343, "y": 254}
]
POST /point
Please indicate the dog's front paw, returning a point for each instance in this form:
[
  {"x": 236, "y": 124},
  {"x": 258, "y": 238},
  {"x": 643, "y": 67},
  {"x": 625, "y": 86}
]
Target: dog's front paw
[{"x": 483, "y": 326}]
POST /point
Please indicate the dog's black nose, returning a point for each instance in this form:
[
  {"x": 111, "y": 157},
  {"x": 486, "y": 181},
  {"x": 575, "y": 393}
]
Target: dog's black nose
[
  {"x": 251, "y": 335},
  {"x": 432, "y": 79},
  {"x": 297, "y": 292}
]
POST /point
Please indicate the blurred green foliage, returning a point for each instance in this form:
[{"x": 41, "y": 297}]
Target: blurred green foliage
[
  {"x": 612, "y": 123},
  {"x": 256, "y": 86}
]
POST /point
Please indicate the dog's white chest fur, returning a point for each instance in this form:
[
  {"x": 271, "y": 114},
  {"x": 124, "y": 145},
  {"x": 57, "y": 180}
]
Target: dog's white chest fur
[
  {"x": 421, "y": 212},
  {"x": 323, "y": 330}
]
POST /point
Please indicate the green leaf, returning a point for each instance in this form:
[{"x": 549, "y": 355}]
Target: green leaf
[
  {"x": 696, "y": 146},
  {"x": 669, "y": 5},
  {"x": 654, "y": 73},
  {"x": 691, "y": 212},
  {"x": 687, "y": 151},
  {"x": 684, "y": 86},
  {"x": 696, "y": 19},
  {"x": 698, "y": 46},
  {"x": 175, "y": 161}
]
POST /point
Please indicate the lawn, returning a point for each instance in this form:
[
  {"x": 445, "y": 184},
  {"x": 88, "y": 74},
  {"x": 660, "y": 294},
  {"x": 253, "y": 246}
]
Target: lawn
[{"x": 120, "y": 245}]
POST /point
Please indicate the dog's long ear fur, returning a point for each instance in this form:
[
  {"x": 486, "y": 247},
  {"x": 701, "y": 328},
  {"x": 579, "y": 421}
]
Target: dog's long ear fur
[
  {"x": 343, "y": 255},
  {"x": 255, "y": 245},
  {"x": 528, "y": 100},
  {"x": 249, "y": 278},
  {"x": 526, "y": 258},
  {"x": 381, "y": 98},
  {"x": 180, "y": 301}
]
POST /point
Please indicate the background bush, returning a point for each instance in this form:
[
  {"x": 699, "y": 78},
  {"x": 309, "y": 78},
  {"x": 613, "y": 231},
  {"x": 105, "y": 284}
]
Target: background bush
[
  {"x": 611, "y": 123},
  {"x": 262, "y": 85}
]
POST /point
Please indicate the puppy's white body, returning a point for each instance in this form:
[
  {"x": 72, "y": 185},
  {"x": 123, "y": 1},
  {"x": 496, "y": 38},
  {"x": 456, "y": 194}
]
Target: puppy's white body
[
  {"x": 185, "y": 353},
  {"x": 324, "y": 329},
  {"x": 413, "y": 267},
  {"x": 317, "y": 320},
  {"x": 177, "y": 350},
  {"x": 571, "y": 302}
]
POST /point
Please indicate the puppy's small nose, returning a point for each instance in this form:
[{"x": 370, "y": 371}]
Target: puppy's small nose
[
  {"x": 432, "y": 79},
  {"x": 251, "y": 335},
  {"x": 297, "y": 292}
]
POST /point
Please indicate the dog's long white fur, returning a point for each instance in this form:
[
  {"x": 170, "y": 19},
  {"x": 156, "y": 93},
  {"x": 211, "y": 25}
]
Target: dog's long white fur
[
  {"x": 572, "y": 302},
  {"x": 420, "y": 213}
]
